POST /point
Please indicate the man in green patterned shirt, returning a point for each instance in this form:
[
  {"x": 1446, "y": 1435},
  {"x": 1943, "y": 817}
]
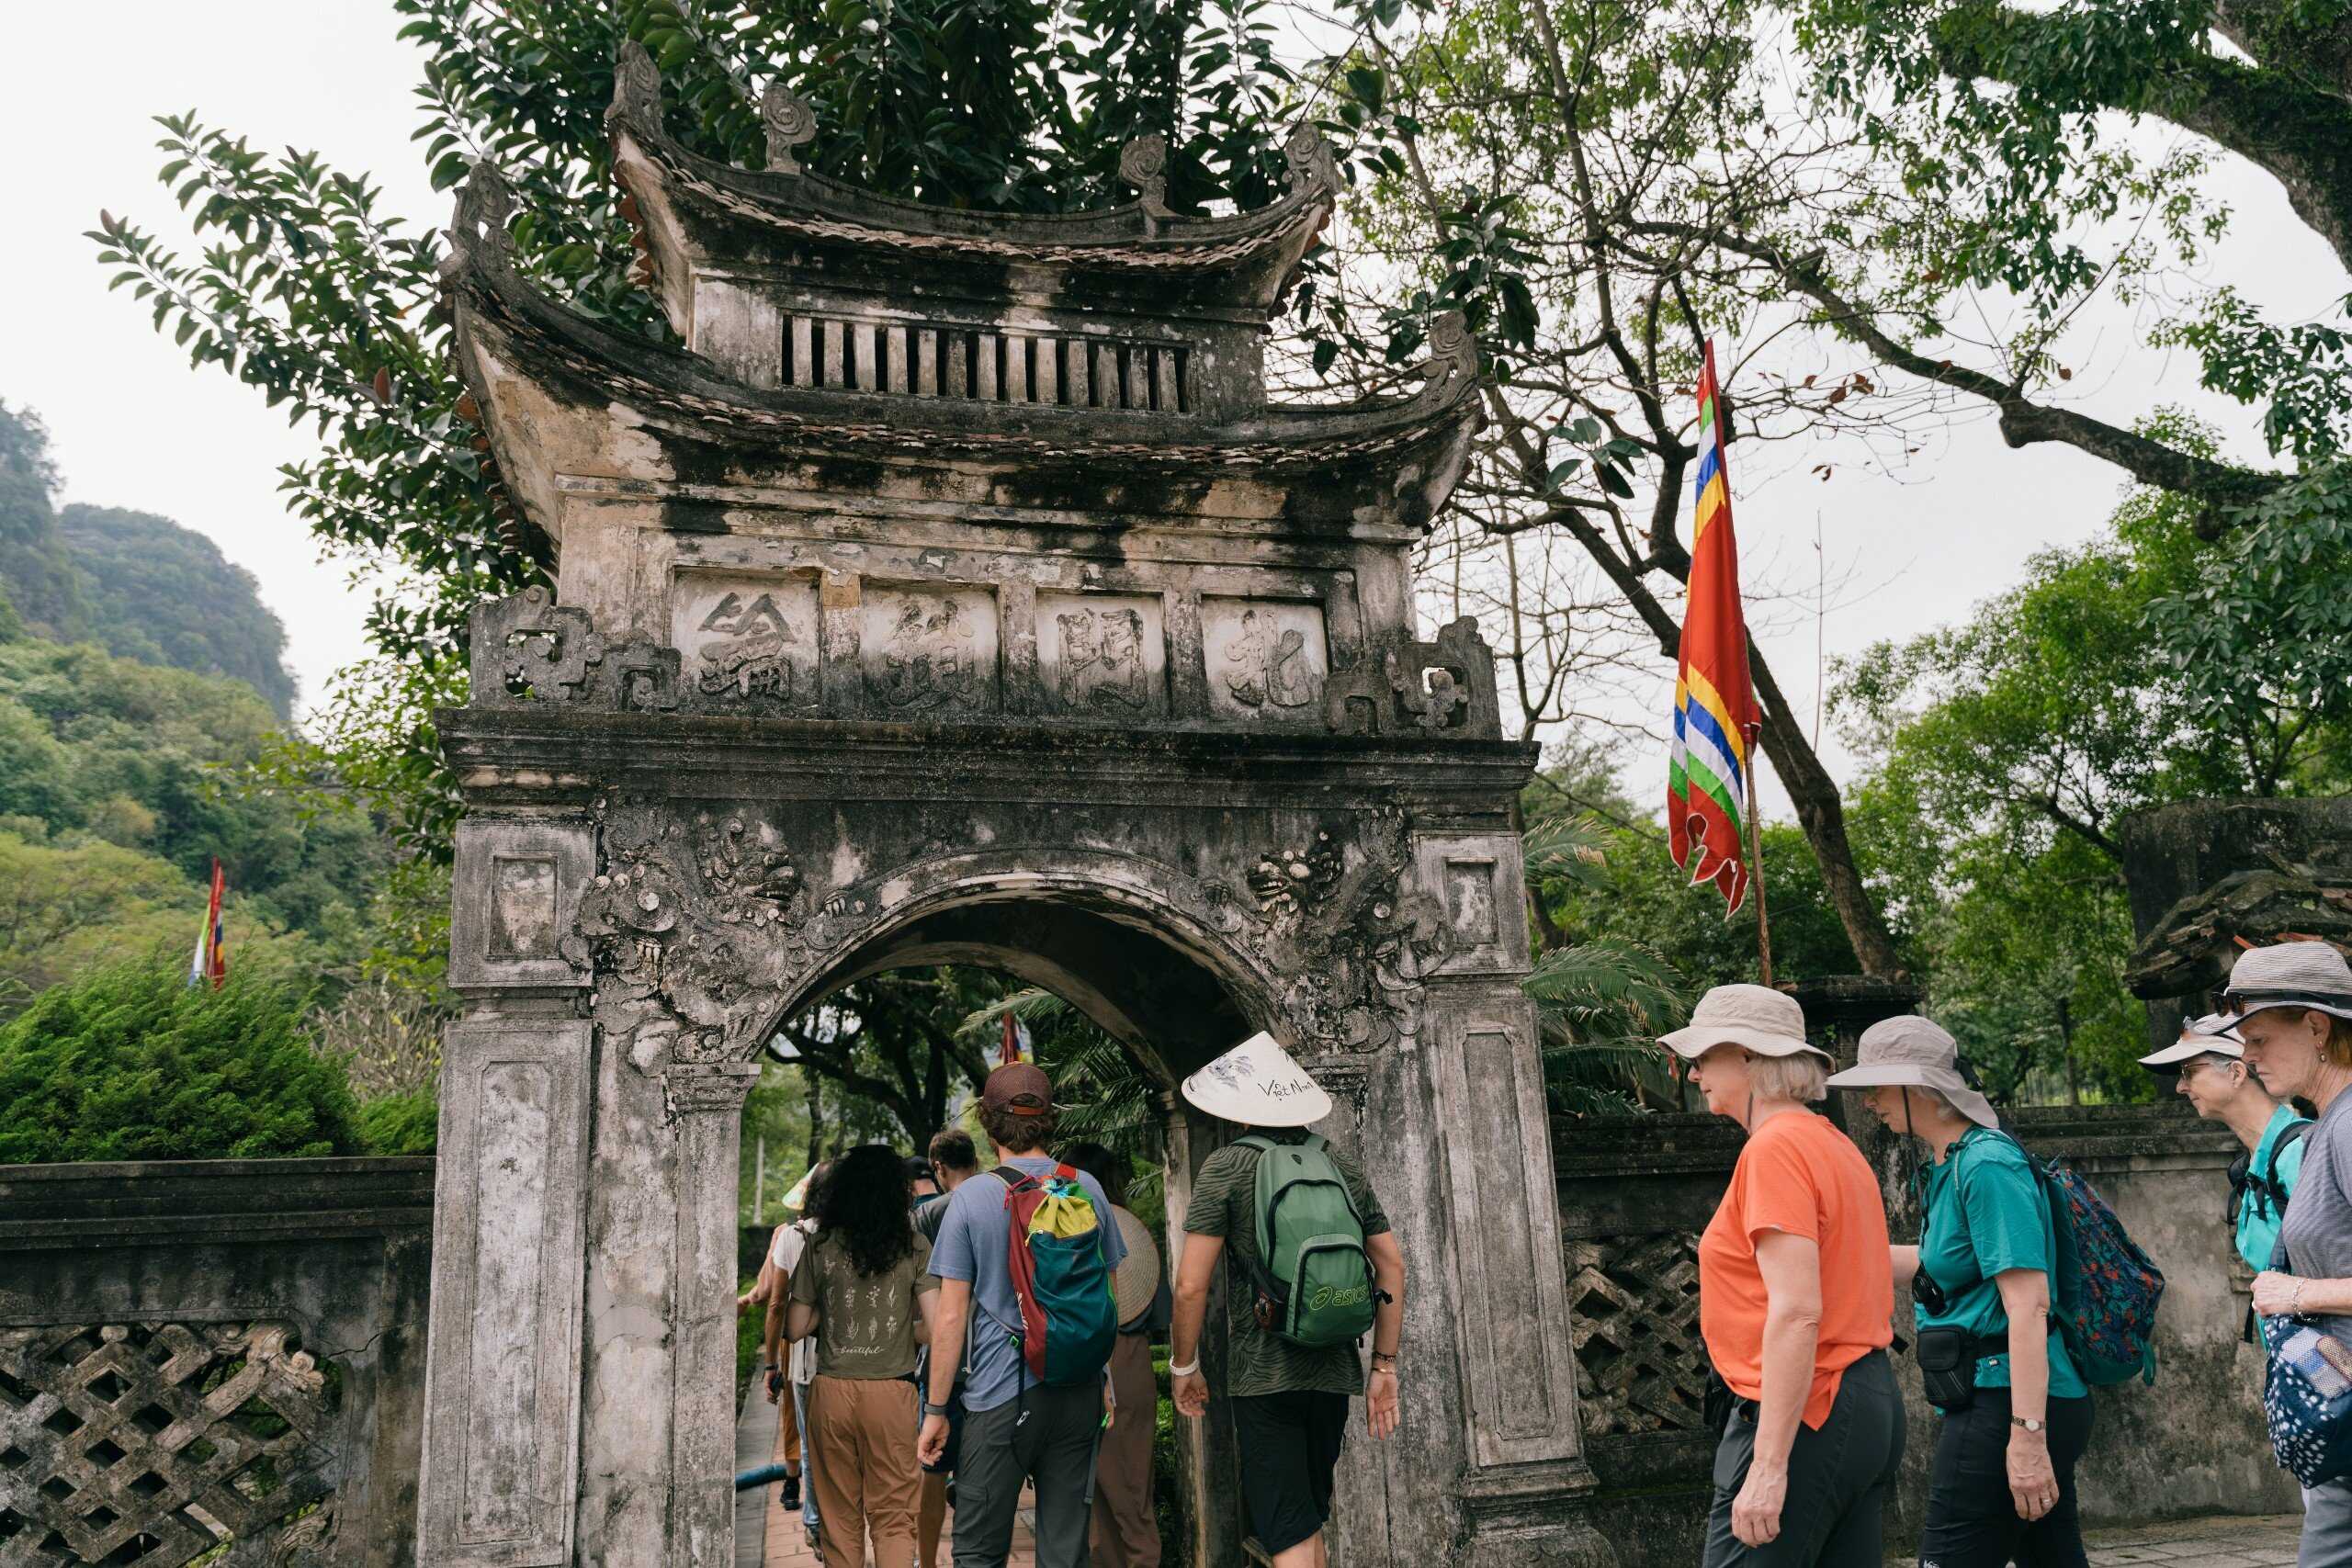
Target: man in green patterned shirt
[{"x": 1290, "y": 1402}]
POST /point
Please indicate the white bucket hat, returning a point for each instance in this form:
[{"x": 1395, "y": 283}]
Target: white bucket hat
[
  {"x": 1911, "y": 1050},
  {"x": 1258, "y": 1085},
  {"x": 1765, "y": 1021},
  {"x": 2309, "y": 974},
  {"x": 2207, "y": 1036}
]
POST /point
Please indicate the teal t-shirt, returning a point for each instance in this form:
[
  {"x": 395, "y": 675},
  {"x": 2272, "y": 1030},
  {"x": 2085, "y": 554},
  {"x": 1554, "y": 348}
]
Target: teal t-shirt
[
  {"x": 1985, "y": 1214},
  {"x": 2258, "y": 1217}
]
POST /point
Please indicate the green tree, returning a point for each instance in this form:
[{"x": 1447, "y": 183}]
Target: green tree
[
  {"x": 132, "y": 1063},
  {"x": 36, "y": 571}
]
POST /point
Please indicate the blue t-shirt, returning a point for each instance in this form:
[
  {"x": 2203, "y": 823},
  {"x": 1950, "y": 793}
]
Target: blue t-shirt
[
  {"x": 1986, "y": 1214},
  {"x": 2258, "y": 1217},
  {"x": 973, "y": 1237}
]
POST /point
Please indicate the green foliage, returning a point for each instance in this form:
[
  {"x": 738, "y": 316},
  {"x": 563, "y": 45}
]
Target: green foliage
[
  {"x": 401, "y": 1124},
  {"x": 163, "y": 594},
  {"x": 130, "y": 1063},
  {"x": 36, "y": 570}
]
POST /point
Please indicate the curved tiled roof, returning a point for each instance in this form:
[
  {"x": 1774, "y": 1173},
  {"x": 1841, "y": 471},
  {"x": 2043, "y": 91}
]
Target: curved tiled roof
[{"x": 1143, "y": 236}]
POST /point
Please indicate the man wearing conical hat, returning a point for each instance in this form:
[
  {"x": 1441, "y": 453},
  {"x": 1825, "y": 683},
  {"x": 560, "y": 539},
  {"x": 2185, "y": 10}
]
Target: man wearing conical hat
[{"x": 1289, "y": 1402}]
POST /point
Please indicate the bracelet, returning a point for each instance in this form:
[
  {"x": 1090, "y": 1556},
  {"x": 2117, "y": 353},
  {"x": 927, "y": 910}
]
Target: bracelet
[
  {"x": 1389, "y": 1356},
  {"x": 1176, "y": 1371},
  {"x": 2295, "y": 1301}
]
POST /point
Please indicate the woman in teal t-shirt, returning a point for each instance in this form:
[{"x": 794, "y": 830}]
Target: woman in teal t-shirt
[{"x": 2017, "y": 1415}]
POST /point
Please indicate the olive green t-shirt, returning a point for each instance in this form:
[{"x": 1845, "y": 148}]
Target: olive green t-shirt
[
  {"x": 1259, "y": 1360},
  {"x": 866, "y": 1326}
]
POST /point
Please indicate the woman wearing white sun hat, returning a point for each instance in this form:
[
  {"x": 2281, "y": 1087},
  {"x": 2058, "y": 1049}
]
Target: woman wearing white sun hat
[
  {"x": 1290, "y": 1402},
  {"x": 2017, "y": 1415},
  {"x": 1795, "y": 1305},
  {"x": 2291, "y": 1005},
  {"x": 2208, "y": 1069}
]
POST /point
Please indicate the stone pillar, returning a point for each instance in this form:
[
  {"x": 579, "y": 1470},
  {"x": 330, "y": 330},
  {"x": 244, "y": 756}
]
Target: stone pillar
[{"x": 706, "y": 1106}]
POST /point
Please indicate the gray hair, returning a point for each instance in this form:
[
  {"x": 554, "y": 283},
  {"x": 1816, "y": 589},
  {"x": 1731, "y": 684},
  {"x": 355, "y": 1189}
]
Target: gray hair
[{"x": 1801, "y": 1076}]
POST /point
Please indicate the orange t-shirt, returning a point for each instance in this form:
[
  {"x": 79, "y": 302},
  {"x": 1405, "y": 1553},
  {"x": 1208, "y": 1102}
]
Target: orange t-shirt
[{"x": 1800, "y": 1175}]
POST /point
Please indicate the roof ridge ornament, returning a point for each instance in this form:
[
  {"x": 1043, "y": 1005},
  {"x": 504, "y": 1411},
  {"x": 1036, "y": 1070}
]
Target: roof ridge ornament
[
  {"x": 478, "y": 232},
  {"x": 790, "y": 121},
  {"x": 637, "y": 88},
  {"x": 1453, "y": 365},
  {"x": 1143, "y": 164},
  {"x": 1310, "y": 161}
]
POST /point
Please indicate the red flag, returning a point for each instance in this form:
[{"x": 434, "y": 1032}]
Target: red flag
[{"x": 217, "y": 965}]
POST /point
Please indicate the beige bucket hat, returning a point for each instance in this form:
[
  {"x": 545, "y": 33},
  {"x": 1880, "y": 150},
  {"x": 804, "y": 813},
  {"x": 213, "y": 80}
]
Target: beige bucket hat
[
  {"x": 1135, "y": 1281},
  {"x": 1258, "y": 1085},
  {"x": 1765, "y": 1021},
  {"x": 1908, "y": 1049},
  {"x": 2288, "y": 974},
  {"x": 2207, "y": 1036}
]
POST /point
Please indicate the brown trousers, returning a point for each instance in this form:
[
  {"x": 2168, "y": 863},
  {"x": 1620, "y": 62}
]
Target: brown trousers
[
  {"x": 787, "y": 1435},
  {"x": 862, "y": 1443},
  {"x": 1124, "y": 1531}
]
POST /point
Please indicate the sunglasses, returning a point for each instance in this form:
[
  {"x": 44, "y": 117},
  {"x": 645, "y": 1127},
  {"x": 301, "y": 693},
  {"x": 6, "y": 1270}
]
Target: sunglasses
[{"x": 2252, "y": 1001}]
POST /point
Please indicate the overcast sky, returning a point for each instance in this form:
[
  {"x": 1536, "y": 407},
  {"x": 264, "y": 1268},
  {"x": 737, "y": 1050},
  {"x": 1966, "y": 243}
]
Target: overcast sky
[{"x": 134, "y": 426}]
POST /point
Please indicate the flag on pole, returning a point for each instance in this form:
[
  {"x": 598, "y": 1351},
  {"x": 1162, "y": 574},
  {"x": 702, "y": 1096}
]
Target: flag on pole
[
  {"x": 1714, "y": 705},
  {"x": 1016, "y": 1047},
  {"x": 211, "y": 962}
]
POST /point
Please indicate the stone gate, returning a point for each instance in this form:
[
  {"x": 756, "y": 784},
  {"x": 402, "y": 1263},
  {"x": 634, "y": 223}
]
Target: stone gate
[{"x": 955, "y": 595}]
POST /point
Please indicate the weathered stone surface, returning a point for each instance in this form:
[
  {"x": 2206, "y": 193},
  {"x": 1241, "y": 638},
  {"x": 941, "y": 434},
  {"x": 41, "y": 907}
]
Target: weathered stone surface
[
  {"x": 223, "y": 1351},
  {"x": 955, "y": 596}
]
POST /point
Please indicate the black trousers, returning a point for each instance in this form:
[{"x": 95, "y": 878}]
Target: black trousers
[
  {"x": 1972, "y": 1515},
  {"x": 1838, "y": 1479}
]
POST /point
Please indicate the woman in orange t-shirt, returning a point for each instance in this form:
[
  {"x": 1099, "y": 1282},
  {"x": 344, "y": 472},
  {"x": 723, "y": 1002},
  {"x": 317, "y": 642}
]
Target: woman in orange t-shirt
[{"x": 1796, "y": 1304}]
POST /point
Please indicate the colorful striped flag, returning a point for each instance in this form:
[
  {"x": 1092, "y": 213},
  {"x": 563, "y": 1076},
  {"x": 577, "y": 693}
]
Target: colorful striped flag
[
  {"x": 211, "y": 962},
  {"x": 1016, "y": 1047},
  {"x": 1714, "y": 705}
]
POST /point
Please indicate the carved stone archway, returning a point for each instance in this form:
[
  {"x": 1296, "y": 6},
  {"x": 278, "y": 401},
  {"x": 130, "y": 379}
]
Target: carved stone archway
[{"x": 954, "y": 590}]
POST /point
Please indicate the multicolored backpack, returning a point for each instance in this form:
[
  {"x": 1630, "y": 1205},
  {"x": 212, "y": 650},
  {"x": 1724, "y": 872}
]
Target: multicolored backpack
[
  {"x": 2108, "y": 1289},
  {"x": 1070, "y": 1318},
  {"x": 2307, "y": 1394}
]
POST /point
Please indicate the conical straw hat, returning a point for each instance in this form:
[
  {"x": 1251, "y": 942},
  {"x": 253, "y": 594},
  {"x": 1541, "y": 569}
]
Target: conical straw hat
[{"x": 1258, "y": 1085}]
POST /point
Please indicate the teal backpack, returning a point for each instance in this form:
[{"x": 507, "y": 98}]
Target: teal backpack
[{"x": 1313, "y": 1275}]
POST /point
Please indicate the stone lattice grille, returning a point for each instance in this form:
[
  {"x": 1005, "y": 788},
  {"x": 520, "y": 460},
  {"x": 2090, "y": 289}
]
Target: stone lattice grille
[
  {"x": 1633, "y": 1302},
  {"x": 149, "y": 1445}
]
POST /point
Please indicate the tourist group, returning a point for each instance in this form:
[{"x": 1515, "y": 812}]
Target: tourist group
[
  {"x": 2028, "y": 1294},
  {"x": 1051, "y": 1291}
]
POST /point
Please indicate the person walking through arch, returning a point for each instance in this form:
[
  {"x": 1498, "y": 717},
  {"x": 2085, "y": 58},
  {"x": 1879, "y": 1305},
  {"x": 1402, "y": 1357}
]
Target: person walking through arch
[
  {"x": 1024, "y": 1422},
  {"x": 864, "y": 1290},
  {"x": 2291, "y": 1005},
  {"x": 1290, "y": 1372},
  {"x": 2208, "y": 1069},
  {"x": 1795, "y": 1305},
  {"x": 2017, "y": 1412},
  {"x": 1125, "y": 1528},
  {"x": 954, "y": 1161}
]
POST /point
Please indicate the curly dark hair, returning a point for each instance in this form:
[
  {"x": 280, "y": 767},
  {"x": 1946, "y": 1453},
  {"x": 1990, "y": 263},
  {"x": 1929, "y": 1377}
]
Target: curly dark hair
[
  {"x": 1030, "y": 1134},
  {"x": 865, "y": 1199}
]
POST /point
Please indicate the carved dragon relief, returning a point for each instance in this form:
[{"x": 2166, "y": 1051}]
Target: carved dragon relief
[{"x": 701, "y": 922}]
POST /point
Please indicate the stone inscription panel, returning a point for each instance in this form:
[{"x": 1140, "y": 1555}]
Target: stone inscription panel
[
  {"x": 1267, "y": 660},
  {"x": 518, "y": 885},
  {"x": 748, "y": 641},
  {"x": 1101, "y": 655},
  {"x": 1470, "y": 902},
  {"x": 522, "y": 907},
  {"x": 929, "y": 652},
  {"x": 1477, "y": 881}
]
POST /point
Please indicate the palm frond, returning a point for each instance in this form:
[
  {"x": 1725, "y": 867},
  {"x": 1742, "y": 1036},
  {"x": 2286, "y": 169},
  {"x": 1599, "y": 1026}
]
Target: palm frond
[{"x": 1564, "y": 850}]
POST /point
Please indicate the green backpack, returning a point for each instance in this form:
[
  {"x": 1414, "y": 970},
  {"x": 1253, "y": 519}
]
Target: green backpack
[{"x": 1314, "y": 1276}]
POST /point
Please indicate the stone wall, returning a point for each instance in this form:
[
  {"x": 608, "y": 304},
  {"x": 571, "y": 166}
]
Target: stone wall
[
  {"x": 207, "y": 1351},
  {"x": 1634, "y": 1192}
]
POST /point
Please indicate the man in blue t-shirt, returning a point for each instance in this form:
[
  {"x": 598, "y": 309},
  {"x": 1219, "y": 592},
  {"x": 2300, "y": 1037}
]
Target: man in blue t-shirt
[
  {"x": 1014, "y": 1429},
  {"x": 2213, "y": 1079}
]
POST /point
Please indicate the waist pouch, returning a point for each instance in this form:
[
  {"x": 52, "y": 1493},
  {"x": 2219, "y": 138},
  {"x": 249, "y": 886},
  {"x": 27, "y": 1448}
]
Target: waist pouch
[{"x": 1948, "y": 1358}]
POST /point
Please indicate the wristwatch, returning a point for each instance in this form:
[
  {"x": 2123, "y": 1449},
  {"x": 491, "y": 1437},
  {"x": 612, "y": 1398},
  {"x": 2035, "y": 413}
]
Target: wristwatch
[
  {"x": 929, "y": 1409},
  {"x": 2029, "y": 1423}
]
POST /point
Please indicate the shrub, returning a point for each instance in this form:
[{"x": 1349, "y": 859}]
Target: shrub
[
  {"x": 401, "y": 1124},
  {"x": 130, "y": 1063}
]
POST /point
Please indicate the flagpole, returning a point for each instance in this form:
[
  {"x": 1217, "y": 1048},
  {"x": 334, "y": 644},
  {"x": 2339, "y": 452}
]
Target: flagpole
[{"x": 1756, "y": 864}]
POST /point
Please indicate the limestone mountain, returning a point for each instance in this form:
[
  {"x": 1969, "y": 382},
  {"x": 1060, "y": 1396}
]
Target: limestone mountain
[{"x": 139, "y": 585}]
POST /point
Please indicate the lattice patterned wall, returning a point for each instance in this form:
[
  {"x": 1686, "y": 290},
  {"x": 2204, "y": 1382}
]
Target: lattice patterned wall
[
  {"x": 1633, "y": 1301},
  {"x": 148, "y": 1445}
]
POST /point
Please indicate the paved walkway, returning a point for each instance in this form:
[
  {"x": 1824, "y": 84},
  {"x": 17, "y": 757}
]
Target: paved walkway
[
  {"x": 767, "y": 1537},
  {"x": 2191, "y": 1543}
]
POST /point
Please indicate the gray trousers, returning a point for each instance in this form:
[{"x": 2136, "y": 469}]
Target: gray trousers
[
  {"x": 1045, "y": 1436},
  {"x": 808, "y": 1457},
  {"x": 1838, "y": 1479},
  {"x": 2327, "y": 1525}
]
